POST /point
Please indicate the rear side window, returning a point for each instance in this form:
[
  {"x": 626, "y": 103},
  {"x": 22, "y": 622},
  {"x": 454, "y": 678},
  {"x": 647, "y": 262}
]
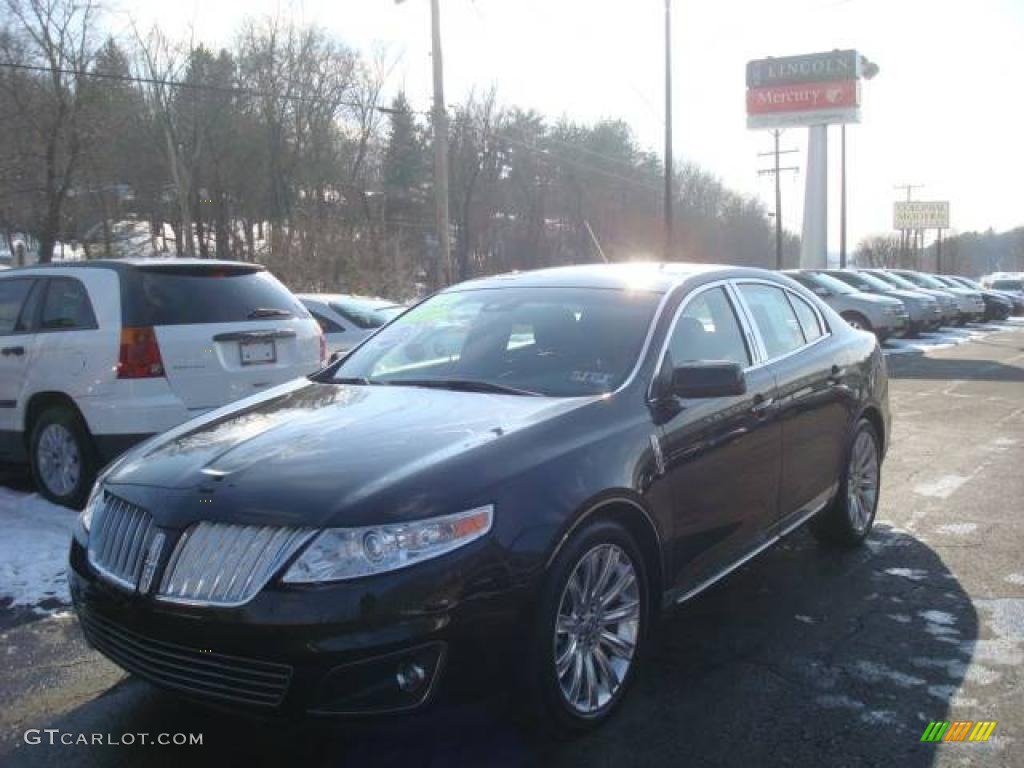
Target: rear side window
[
  {"x": 775, "y": 318},
  {"x": 188, "y": 296},
  {"x": 66, "y": 306},
  {"x": 808, "y": 318},
  {"x": 708, "y": 330},
  {"x": 12, "y": 297}
]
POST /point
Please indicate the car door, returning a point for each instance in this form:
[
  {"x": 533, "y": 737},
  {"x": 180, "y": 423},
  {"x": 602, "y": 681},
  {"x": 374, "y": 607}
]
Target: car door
[
  {"x": 812, "y": 403},
  {"x": 16, "y": 339},
  {"x": 721, "y": 455},
  {"x": 68, "y": 354}
]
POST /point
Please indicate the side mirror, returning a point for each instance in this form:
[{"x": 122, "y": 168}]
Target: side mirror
[{"x": 710, "y": 379}]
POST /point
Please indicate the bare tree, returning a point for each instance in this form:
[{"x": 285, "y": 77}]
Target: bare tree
[
  {"x": 54, "y": 38},
  {"x": 878, "y": 251}
]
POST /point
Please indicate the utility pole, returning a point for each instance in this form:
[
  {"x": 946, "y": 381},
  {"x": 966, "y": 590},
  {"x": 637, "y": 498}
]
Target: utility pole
[
  {"x": 668, "y": 131},
  {"x": 445, "y": 273},
  {"x": 776, "y": 171}
]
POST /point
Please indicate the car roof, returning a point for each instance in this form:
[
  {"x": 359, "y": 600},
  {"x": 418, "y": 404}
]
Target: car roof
[
  {"x": 658, "y": 277},
  {"x": 121, "y": 265}
]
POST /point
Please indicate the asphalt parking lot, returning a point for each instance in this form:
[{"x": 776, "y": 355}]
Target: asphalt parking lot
[{"x": 803, "y": 657}]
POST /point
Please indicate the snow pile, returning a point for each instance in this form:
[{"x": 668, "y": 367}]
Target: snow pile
[{"x": 34, "y": 540}]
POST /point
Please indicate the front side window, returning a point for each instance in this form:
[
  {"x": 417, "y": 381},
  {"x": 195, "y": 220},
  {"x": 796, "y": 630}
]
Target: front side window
[
  {"x": 12, "y": 296},
  {"x": 777, "y": 322},
  {"x": 66, "y": 306},
  {"x": 561, "y": 342},
  {"x": 707, "y": 329}
]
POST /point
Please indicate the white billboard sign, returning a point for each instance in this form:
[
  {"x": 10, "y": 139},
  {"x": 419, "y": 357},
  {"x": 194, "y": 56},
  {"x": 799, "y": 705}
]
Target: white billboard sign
[{"x": 921, "y": 215}]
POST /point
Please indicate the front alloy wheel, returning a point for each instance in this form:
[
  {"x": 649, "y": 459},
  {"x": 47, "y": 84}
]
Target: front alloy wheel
[
  {"x": 597, "y": 628},
  {"x": 590, "y": 623}
]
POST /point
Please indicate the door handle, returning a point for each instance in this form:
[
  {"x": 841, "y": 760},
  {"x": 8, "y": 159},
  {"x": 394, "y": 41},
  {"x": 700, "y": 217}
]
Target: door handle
[
  {"x": 835, "y": 375},
  {"x": 12, "y": 351},
  {"x": 761, "y": 405}
]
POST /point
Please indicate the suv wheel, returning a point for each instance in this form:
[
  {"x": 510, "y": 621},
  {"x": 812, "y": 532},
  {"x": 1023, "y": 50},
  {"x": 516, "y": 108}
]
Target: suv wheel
[
  {"x": 848, "y": 519},
  {"x": 592, "y": 618},
  {"x": 63, "y": 457}
]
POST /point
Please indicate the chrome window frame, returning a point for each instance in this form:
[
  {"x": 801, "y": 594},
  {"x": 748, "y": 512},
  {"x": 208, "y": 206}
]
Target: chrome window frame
[
  {"x": 739, "y": 310},
  {"x": 764, "y": 359}
]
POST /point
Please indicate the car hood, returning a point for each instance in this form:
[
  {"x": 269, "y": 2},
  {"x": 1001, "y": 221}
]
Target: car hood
[
  {"x": 312, "y": 449},
  {"x": 882, "y": 301},
  {"x": 902, "y": 293}
]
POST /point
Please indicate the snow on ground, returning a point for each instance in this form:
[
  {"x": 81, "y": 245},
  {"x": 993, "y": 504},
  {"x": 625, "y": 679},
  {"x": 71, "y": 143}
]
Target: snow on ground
[
  {"x": 947, "y": 337},
  {"x": 34, "y": 540}
]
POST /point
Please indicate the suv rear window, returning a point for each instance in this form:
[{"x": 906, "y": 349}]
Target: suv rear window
[{"x": 193, "y": 295}]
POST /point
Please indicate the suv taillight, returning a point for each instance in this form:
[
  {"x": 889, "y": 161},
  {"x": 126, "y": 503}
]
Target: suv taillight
[{"x": 140, "y": 355}]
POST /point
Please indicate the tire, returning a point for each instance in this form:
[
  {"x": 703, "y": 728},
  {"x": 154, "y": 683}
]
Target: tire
[
  {"x": 549, "y": 696},
  {"x": 847, "y": 521},
  {"x": 62, "y": 456},
  {"x": 858, "y": 321}
]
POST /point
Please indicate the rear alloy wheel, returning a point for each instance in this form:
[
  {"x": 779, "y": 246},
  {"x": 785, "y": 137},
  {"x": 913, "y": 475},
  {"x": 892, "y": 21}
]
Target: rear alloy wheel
[
  {"x": 63, "y": 458},
  {"x": 592, "y": 619},
  {"x": 848, "y": 519}
]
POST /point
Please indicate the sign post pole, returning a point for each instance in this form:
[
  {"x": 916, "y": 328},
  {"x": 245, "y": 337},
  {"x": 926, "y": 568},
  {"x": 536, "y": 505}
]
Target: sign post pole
[{"x": 814, "y": 247}]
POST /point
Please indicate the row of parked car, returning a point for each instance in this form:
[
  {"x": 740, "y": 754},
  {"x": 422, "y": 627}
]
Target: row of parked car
[
  {"x": 97, "y": 356},
  {"x": 903, "y": 302}
]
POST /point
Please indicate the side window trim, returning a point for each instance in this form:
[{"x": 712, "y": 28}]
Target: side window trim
[
  {"x": 741, "y": 319},
  {"x": 826, "y": 332}
]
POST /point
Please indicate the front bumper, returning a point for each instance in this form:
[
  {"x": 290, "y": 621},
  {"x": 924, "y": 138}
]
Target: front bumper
[{"x": 321, "y": 650}]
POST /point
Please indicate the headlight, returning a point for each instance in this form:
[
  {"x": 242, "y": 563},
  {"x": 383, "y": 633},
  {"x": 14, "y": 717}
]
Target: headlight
[
  {"x": 91, "y": 506},
  {"x": 347, "y": 553}
]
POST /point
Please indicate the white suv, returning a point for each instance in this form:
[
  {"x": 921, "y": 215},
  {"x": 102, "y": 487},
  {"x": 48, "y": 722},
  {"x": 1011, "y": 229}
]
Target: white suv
[{"x": 96, "y": 356}]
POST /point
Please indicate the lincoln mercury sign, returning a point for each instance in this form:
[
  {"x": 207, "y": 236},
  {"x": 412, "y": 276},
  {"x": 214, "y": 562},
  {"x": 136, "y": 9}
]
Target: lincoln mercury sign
[
  {"x": 816, "y": 89},
  {"x": 921, "y": 215}
]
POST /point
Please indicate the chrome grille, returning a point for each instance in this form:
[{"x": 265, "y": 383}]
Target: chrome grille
[
  {"x": 117, "y": 542},
  {"x": 194, "y": 671},
  {"x": 222, "y": 564}
]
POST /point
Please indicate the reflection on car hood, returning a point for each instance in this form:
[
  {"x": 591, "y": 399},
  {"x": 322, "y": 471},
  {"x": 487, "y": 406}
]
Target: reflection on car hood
[
  {"x": 345, "y": 436},
  {"x": 902, "y": 293}
]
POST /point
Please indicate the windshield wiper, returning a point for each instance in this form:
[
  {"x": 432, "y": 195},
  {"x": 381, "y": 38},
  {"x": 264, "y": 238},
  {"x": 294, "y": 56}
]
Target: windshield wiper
[
  {"x": 268, "y": 312},
  {"x": 360, "y": 380},
  {"x": 462, "y": 385}
]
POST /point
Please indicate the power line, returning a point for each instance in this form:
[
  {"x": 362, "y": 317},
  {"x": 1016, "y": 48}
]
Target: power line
[{"x": 231, "y": 90}]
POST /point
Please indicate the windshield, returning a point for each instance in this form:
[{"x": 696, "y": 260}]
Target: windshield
[
  {"x": 862, "y": 281},
  {"x": 896, "y": 280},
  {"x": 563, "y": 342},
  {"x": 366, "y": 313},
  {"x": 923, "y": 281},
  {"x": 822, "y": 280},
  {"x": 1008, "y": 285}
]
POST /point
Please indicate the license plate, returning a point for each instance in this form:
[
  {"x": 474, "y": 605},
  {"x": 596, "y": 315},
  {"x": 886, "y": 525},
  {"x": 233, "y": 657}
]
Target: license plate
[{"x": 257, "y": 352}]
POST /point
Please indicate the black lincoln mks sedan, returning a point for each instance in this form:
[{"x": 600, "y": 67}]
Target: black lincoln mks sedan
[{"x": 515, "y": 476}]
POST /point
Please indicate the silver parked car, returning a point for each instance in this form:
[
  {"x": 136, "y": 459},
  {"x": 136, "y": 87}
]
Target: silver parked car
[
  {"x": 947, "y": 303},
  {"x": 924, "y": 310},
  {"x": 882, "y": 315},
  {"x": 347, "y": 320},
  {"x": 970, "y": 305}
]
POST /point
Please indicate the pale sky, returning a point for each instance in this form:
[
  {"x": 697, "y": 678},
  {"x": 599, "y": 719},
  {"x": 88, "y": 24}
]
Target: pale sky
[{"x": 945, "y": 110}]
